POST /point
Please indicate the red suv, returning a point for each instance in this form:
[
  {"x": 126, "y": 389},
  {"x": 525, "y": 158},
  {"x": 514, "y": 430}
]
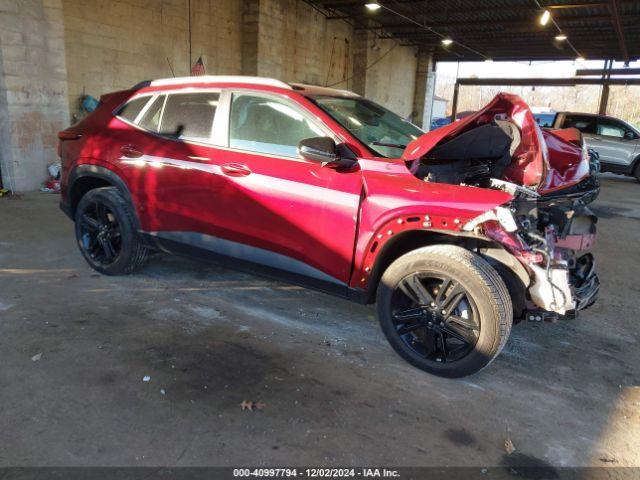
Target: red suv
[{"x": 454, "y": 234}]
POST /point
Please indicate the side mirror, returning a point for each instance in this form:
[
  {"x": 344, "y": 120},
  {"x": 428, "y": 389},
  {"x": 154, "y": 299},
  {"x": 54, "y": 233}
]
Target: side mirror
[
  {"x": 325, "y": 151},
  {"x": 629, "y": 135}
]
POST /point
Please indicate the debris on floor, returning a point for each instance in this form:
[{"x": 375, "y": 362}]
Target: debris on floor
[
  {"x": 162, "y": 391},
  {"x": 52, "y": 184},
  {"x": 250, "y": 405},
  {"x": 508, "y": 446},
  {"x": 37, "y": 357},
  {"x": 146, "y": 378}
]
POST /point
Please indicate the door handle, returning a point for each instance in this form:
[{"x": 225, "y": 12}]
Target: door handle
[
  {"x": 131, "y": 151},
  {"x": 235, "y": 170}
]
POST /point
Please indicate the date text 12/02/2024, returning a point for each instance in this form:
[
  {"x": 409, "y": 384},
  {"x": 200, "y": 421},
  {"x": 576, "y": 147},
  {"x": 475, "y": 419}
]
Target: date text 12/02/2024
[{"x": 316, "y": 472}]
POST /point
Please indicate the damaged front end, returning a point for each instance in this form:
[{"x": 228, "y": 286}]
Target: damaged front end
[
  {"x": 548, "y": 226},
  {"x": 551, "y": 236}
]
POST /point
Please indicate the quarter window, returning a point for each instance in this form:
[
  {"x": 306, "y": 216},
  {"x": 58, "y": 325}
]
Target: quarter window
[
  {"x": 151, "y": 118},
  {"x": 189, "y": 115},
  {"x": 267, "y": 125},
  {"x": 131, "y": 110}
]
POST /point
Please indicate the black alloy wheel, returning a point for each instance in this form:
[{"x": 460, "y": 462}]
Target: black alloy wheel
[
  {"x": 435, "y": 316},
  {"x": 100, "y": 236}
]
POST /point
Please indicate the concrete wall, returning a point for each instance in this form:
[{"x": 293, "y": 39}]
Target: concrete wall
[
  {"x": 392, "y": 80},
  {"x": 112, "y": 45},
  {"x": 54, "y": 51},
  {"x": 33, "y": 89}
]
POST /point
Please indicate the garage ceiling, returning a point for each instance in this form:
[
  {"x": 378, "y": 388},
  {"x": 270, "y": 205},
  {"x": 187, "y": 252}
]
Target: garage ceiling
[{"x": 501, "y": 29}]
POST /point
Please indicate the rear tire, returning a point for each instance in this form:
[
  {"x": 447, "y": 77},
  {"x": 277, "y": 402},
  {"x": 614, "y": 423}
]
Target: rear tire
[
  {"x": 452, "y": 333},
  {"x": 106, "y": 232}
]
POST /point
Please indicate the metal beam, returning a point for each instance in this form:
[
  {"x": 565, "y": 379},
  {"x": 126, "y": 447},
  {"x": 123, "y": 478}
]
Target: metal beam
[
  {"x": 583, "y": 72},
  {"x": 547, "y": 82},
  {"x": 617, "y": 23}
]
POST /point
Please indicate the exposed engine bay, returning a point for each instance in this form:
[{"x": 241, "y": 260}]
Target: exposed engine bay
[
  {"x": 474, "y": 157},
  {"x": 548, "y": 229}
]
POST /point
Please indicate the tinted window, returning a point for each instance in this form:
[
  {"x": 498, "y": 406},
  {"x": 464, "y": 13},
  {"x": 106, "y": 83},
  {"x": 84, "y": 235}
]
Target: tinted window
[
  {"x": 151, "y": 118},
  {"x": 131, "y": 110},
  {"x": 611, "y": 128},
  {"x": 189, "y": 115},
  {"x": 583, "y": 123},
  {"x": 266, "y": 125}
]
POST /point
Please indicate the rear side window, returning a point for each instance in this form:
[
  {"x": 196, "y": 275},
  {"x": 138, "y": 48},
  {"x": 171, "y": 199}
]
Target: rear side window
[
  {"x": 131, "y": 110},
  {"x": 583, "y": 123},
  {"x": 189, "y": 115},
  {"x": 266, "y": 125}
]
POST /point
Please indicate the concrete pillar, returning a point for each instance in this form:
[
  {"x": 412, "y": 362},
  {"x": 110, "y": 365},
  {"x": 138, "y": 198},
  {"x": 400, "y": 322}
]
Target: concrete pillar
[
  {"x": 361, "y": 41},
  {"x": 250, "y": 36},
  {"x": 33, "y": 90},
  {"x": 424, "y": 90}
]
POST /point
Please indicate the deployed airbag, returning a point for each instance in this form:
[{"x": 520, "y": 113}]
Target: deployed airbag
[{"x": 478, "y": 154}]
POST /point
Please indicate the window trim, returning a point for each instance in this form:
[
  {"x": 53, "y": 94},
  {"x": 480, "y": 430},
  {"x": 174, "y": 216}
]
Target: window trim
[{"x": 309, "y": 116}]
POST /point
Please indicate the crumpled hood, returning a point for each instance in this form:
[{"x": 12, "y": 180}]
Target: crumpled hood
[{"x": 530, "y": 162}]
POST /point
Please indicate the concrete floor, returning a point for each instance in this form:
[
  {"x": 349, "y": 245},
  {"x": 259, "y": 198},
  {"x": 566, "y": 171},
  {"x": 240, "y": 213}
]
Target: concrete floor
[{"x": 567, "y": 394}]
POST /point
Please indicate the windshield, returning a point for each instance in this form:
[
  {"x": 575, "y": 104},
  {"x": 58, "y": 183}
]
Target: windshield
[{"x": 384, "y": 132}]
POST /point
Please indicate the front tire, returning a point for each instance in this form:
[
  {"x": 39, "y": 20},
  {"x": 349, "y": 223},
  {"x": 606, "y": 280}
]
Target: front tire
[
  {"x": 445, "y": 310},
  {"x": 106, "y": 232},
  {"x": 636, "y": 172}
]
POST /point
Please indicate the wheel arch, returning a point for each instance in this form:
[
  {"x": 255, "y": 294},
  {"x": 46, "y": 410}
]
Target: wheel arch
[
  {"x": 635, "y": 164},
  {"x": 85, "y": 178},
  {"x": 512, "y": 272}
]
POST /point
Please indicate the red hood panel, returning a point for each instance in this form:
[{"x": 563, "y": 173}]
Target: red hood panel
[{"x": 529, "y": 166}]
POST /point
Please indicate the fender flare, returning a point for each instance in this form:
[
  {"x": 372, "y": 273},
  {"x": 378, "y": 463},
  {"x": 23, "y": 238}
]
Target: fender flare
[{"x": 103, "y": 173}]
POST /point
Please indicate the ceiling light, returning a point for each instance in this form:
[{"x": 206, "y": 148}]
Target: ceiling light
[
  {"x": 580, "y": 59},
  {"x": 561, "y": 37},
  {"x": 373, "y": 6},
  {"x": 544, "y": 18},
  {"x": 447, "y": 41},
  {"x": 488, "y": 60}
]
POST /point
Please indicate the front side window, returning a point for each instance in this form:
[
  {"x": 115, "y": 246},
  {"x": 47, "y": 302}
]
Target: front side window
[
  {"x": 372, "y": 124},
  {"x": 267, "y": 125},
  {"x": 189, "y": 115},
  {"x": 611, "y": 128}
]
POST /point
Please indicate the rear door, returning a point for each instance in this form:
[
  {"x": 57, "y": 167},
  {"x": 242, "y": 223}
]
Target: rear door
[
  {"x": 165, "y": 154},
  {"x": 277, "y": 208}
]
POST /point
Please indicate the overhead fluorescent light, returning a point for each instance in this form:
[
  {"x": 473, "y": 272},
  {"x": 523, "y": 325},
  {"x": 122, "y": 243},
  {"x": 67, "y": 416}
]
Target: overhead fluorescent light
[
  {"x": 373, "y": 6},
  {"x": 580, "y": 59},
  {"x": 447, "y": 41},
  {"x": 561, "y": 37},
  {"x": 544, "y": 18},
  {"x": 488, "y": 60}
]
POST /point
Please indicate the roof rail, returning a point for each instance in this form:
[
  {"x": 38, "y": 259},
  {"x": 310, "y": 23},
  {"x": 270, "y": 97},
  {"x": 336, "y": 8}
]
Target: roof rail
[{"x": 272, "y": 82}]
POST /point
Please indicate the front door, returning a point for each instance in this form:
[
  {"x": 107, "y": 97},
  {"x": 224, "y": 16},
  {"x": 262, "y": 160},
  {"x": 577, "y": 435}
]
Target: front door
[
  {"x": 616, "y": 143},
  {"x": 277, "y": 208}
]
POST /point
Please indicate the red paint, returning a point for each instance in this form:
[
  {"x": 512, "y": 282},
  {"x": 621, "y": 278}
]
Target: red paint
[{"x": 326, "y": 218}]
